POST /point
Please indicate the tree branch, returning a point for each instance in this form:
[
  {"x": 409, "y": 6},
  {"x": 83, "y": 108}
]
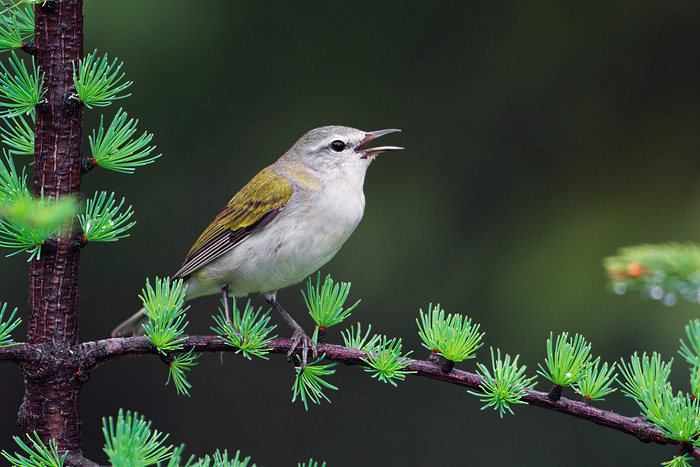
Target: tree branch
[
  {"x": 695, "y": 452},
  {"x": 96, "y": 353},
  {"x": 21, "y": 354},
  {"x": 75, "y": 459},
  {"x": 88, "y": 355}
]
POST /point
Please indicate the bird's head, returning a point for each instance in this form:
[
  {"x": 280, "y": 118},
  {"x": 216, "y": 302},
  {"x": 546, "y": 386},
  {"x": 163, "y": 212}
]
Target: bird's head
[{"x": 338, "y": 149}]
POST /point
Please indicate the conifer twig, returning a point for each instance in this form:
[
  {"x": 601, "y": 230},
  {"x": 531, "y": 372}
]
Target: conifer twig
[{"x": 98, "y": 352}]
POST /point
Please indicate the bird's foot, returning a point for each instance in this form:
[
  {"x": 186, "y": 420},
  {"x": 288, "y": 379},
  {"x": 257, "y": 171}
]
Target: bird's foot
[{"x": 300, "y": 337}]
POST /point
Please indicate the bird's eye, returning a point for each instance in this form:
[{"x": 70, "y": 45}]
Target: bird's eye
[{"x": 337, "y": 145}]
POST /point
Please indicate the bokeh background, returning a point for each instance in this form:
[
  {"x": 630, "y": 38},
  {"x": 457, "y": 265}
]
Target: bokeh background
[{"x": 540, "y": 137}]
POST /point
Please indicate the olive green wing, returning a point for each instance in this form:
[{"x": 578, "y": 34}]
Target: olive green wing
[{"x": 251, "y": 209}]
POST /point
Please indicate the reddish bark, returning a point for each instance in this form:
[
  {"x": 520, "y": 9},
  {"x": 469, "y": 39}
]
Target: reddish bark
[{"x": 51, "y": 404}]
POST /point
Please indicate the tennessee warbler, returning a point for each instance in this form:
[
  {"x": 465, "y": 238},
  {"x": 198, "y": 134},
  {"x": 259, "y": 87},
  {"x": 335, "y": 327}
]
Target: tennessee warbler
[{"x": 286, "y": 223}]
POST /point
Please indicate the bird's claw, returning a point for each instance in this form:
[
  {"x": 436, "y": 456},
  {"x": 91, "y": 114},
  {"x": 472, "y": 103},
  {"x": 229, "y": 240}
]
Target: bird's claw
[{"x": 300, "y": 337}]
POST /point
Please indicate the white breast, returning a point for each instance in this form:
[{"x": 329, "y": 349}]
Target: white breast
[{"x": 305, "y": 235}]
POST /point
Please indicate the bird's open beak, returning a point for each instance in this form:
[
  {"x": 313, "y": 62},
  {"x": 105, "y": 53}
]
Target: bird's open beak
[{"x": 371, "y": 152}]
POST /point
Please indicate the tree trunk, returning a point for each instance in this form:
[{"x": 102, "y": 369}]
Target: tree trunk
[{"x": 51, "y": 403}]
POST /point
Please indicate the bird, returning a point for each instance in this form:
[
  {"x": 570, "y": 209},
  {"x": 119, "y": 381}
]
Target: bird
[{"x": 287, "y": 222}]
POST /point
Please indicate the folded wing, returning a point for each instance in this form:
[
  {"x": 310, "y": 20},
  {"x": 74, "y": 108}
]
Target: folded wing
[{"x": 251, "y": 209}]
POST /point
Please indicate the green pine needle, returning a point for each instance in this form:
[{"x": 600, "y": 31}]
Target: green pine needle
[
  {"x": 430, "y": 326},
  {"x": 102, "y": 221},
  {"x": 386, "y": 363},
  {"x": 116, "y": 149},
  {"x": 596, "y": 383},
  {"x": 180, "y": 364},
  {"x": 678, "y": 461},
  {"x": 201, "y": 462},
  {"x": 678, "y": 416},
  {"x": 357, "y": 341},
  {"x": 26, "y": 223},
  {"x": 311, "y": 463},
  {"x": 131, "y": 443},
  {"x": 97, "y": 83},
  {"x": 221, "y": 460},
  {"x": 325, "y": 302},
  {"x": 46, "y": 215},
  {"x": 647, "y": 383},
  {"x": 645, "y": 377},
  {"x": 25, "y": 18},
  {"x": 695, "y": 380},
  {"x": 691, "y": 352},
  {"x": 568, "y": 361},
  {"x": 308, "y": 384},
  {"x": 176, "y": 457},
  {"x": 19, "y": 238},
  {"x": 10, "y": 36},
  {"x": 13, "y": 185},
  {"x": 505, "y": 386},
  {"x": 454, "y": 337},
  {"x": 40, "y": 455},
  {"x": 252, "y": 337},
  {"x": 6, "y": 327},
  {"x": 16, "y": 26},
  {"x": 18, "y": 134},
  {"x": 163, "y": 307},
  {"x": 22, "y": 90}
]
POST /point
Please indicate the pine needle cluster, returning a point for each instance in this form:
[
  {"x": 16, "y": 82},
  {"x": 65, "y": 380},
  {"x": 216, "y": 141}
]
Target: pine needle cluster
[
  {"x": 503, "y": 384},
  {"x": 249, "y": 331},
  {"x": 453, "y": 337}
]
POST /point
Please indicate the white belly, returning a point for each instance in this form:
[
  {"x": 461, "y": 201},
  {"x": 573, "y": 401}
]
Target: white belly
[{"x": 303, "y": 237}]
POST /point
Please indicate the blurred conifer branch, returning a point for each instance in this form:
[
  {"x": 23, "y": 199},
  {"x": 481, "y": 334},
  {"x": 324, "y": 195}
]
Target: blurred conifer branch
[
  {"x": 663, "y": 272},
  {"x": 27, "y": 223}
]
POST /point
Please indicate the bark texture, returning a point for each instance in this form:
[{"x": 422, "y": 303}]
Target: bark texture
[{"x": 51, "y": 404}]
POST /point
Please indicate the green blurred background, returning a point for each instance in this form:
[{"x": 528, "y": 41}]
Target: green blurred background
[{"x": 540, "y": 137}]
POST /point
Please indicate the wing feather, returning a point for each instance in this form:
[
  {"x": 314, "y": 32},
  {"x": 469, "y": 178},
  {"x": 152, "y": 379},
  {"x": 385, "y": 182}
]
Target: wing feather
[{"x": 251, "y": 209}]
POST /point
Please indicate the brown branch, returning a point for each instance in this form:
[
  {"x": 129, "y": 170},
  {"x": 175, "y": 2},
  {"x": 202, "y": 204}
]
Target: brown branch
[
  {"x": 82, "y": 359},
  {"x": 695, "y": 452},
  {"x": 29, "y": 47},
  {"x": 98, "y": 352},
  {"x": 75, "y": 459},
  {"x": 21, "y": 354}
]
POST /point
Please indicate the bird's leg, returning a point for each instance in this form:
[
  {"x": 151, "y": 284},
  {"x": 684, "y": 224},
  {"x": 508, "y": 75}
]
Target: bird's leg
[
  {"x": 299, "y": 334},
  {"x": 227, "y": 311},
  {"x": 227, "y": 315}
]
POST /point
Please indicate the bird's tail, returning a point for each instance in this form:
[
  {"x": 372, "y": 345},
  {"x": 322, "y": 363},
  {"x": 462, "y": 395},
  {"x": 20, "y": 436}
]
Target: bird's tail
[{"x": 132, "y": 326}]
